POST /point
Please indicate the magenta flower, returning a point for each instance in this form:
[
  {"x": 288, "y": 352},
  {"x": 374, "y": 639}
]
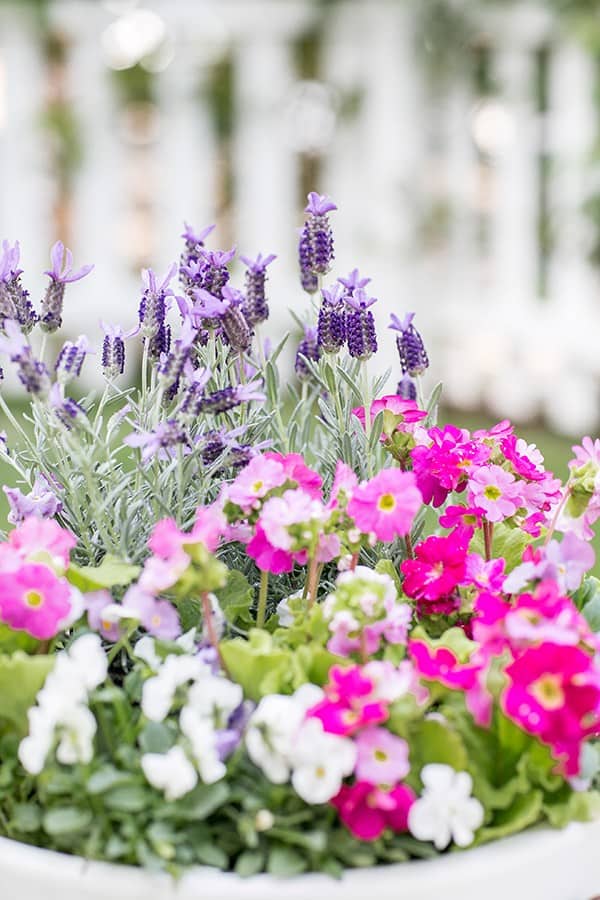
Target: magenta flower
[
  {"x": 42, "y": 540},
  {"x": 382, "y": 758},
  {"x": 443, "y": 465},
  {"x": 488, "y": 575},
  {"x": 402, "y": 413},
  {"x": 267, "y": 557},
  {"x": 495, "y": 491},
  {"x": 554, "y": 693},
  {"x": 386, "y": 505},
  {"x": 367, "y": 810},
  {"x": 438, "y": 568},
  {"x": 349, "y": 703},
  {"x": 344, "y": 484},
  {"x": 465, "y": 516},
  {"x": 443, "y": 666},
  {"x": 35, "y": 600}
]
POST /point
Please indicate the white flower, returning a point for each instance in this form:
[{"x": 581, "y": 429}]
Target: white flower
[
  {"x": 145, "y": 649},
  {"x": 34, "y": 749},
  {"x": 89, "y": 660},
  {"x": 187, "y": 641},
  {"x": 202, "y": 737},
  {"x": 284, "y": 613},
  {"x": 445, "y": 811},
  {"x": 215, "y": 699},
  {"x": 76, "y": 611},
  {"x": 158, "y": 692},
  {"x": 320, "y": 762},
  {"x": 170, "y": 772},
  {"x": 77, "y": 729},
  {"x": 272, "y": 728}
]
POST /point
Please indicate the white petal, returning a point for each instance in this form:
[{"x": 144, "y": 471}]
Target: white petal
[
  {"x": 438, "y": 777},
  {"x": 170, "y": 772}
]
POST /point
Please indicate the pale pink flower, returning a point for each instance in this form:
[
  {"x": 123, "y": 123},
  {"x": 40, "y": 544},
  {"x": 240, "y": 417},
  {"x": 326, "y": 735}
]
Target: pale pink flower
[
  {"x": 43, "y": 540},
  {"x": 386, "y": 505},
  {"x": 382, "y": 757},
  {"x": 495, "y": 491},
  {"x": 254, "y": 482}
]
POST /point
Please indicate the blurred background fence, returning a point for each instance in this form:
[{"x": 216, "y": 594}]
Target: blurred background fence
[{"x": 458, "y": 139}]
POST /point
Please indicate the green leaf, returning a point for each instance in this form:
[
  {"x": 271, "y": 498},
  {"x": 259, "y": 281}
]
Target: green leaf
[
  {"x": 579, "y": 806},
  {"x": 432, "y": 741},
  {"x": 387, "y": 567},
  {"x": 11, "y": 641},
  {"x": 189, "y": 613},
  {"x": 156, "y": 737},
  {"x": 235, "y": 599},
  {"x": 127, "y": 798},
  {"x": 250, "y": 663},
  {"x": 590, "y": 607},
  {"x": 210, "y": 855},
  {"x": 508, "y": 542},
  {"x": 111, "y": 572},
  {"x": 26, "y": 817},
  {"x": 66, "y": 820},
  {"x": 21, "y": 677},
  {"x": 283, "y": 862},
  {"x": 106, "y": 778},
  {"x": 589, "y": 588},
  {"x": 525, "y": 811},
  {"x": 199, "y": 803},
  {"x": 250, "y": 862}
]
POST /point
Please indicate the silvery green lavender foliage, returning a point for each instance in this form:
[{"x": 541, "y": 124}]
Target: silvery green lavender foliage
[{"x": 203, "y": 393}]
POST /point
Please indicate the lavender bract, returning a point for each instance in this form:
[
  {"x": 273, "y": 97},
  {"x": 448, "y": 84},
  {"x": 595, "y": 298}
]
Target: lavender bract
[
  {"x": 411, "y": 349},
  {"x": 14, "y": 299},
  {"x": 153, "y": 310},
  {"x": 331, "y": 326},
  {"x": 70, "y": 359},
  {"x": 360, "y": 325},
  {"x": 315, "y": 250},
  {"x": 113, "y": 349},
  {"x": 40, "y": 502},
  {"x": 228, "y": 311},
  {"x": 60, "y": 275},
  {"x": 308, "y": 348},
  {"x": 256, "y": 308}
]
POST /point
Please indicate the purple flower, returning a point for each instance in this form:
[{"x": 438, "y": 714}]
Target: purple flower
[
  {"x": 315, "y": 250},
  {"x": 158, "y": 617},
  {"x": 256, "y": 309},
  {"x": 208, "y": 271},
  {"x": 360, "y": 325},
  {"x": 228, "y": 310},
  {"x": 113, "y": 349},
  {"x": 193, "y": 390},
  {"x": 407, "y": 389},
  {"x": 194, "y": 243},
  {"x": 153, "y": 310},
  {"x": 565, "y": 563},
  {"x": 14, "y": 299},
  {"x": 196, "y": 239},
  {"x": 353, "y": 282},
  {"x": 411, "y": 349},
  {"x": 70, "y": 359},
  {"x": 162, "y": 442},
  {"x": 60, "y": 275},
  {"x": 40, "y": 502},
  {"x": 66, "y": 410},
  {"x": 108, "y": 626},
  {"x": 172, "y": 366},
  {"x": 230, "y": 397},
  {"x": 331, "y": 326},
  {"x": 308, "y": 348},
  {"x": 32, "y": 373}
]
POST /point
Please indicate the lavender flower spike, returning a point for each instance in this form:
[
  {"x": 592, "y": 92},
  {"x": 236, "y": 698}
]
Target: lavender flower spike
[
  {"x": 153, "y": 310},
  {"x": 70, "y": 359},
  {"x": 14, "y": 299},
  {"x": 32, "y": 373},
  {"x": 353, "y": 282},
  {"x": 331, "y": 326},
  {"x": 196, "y": 239},
  {"x": 407, "y": 389},
  {"x": 228, "y": 310},
  {"x": 411, "y": 349},
  {"x": 194, "y": 242},
  {"x": 60, "y": 275},
  {"x": 172, "y": 366},
  {"x": 209, "y": 271},
  {"x": 162, "y": 442},
  {"x": 256, "y": 309},
  {"x": 41, "y": 502},
  {"x": 230, "y": 397},
  {"x": 67, "y": 411},
  {"x": 315, "y": 249},
  {"x": 308, "y": 348},
  {"x": 113, "y": 349},
  {"x": 360, "y": 326}
]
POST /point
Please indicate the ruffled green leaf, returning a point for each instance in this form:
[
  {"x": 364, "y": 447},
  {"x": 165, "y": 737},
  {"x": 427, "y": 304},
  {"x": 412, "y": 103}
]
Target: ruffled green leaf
[
  {"x": 21, "y": 677},
  {"x": 112, "y": 572}
]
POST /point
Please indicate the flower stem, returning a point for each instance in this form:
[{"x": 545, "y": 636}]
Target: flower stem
[
  {"x": 488, "y": 536},
  {"x": 262, "y": 600},
  {"x": 560, "y": 507},
  {"x": 410, "y": 553},
  {"x": 209, "y": 623},
  {"x": 312, "y": 581},
  {"x": 367, "y": 406}
]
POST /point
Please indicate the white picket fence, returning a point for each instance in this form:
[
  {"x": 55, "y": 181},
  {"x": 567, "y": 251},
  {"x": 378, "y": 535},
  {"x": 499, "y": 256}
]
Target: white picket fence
[{"x": 494, "y": 338}]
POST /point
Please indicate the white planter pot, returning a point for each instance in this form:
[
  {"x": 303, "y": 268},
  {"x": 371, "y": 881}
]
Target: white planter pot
[{"x": 537, "y": 865}]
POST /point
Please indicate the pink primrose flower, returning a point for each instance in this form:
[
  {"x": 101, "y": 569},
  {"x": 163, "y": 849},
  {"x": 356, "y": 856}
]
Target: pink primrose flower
[
  {"x": 35, "y": 600},
  {"x": 348, "y": 704},
  {"x": 443, "y": 466},
  {"x": 588, "y": 451},
  {"x": 382, "y": 758},
  {"x": 554, "y": 693},
  {"x": 386, "y": 505},
  {"x": 158, "y": 617},
  {"x": 495, "y": 491},
  {"x": 44, "y": 541},
  {"x": 486, "y": 575},
  {"x": 262, "y": 474},
  {"x": 403, "y": 413},
  {"x": 436, "y": 571},
  {"x": 293, "y": 508},
  {"x": 443, "y": 666},
  {"x": 297, "y": 471},
  {"x": 344, "y": 484},
  {"x": 367, "y": 810},
  {"x": 463, "y": 516},
  {"x": 267, "y": 557},
  {"x": 525, "y": 459}
]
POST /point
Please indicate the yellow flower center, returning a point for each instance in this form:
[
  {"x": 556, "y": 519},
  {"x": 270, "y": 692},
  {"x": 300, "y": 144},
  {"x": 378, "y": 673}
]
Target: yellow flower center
[
  {"x": 380, "y": 756},
  {"x": 492, "y": 492},
  {"x": 386, "y": 503},
  {"x": 34, "y": 599},
  {"x": 548, "y": 691},
  {"x": 257, "y": 486},
  {"x": 320, "y": 771}
]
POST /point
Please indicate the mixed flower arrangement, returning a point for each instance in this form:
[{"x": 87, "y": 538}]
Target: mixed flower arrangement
[{"x": 280, "y": 629}]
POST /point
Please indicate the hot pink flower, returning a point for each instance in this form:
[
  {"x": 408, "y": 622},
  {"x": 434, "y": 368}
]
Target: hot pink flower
[
  {"x": 267, "y": 557},
  {"x": 442, "y": 665},
  {"x": 261, "y": 475},
  {"x": 405, "y": 413},
  {"x": 382, "y": 757},
  {"x": 436, "y": 571},
  {"x": 44, "y": 541},
  {"x": 444, "y": 464},
  {"x": 386, "y": 504},
  {"x": 349, "y": 704},
  {"x": 35, "y": 600},
  {"x": 367, "y": 810},
  {"x": 297, "y": 471},
  {"x": 554, "y": 693},
  {"x": 463, "y": 516},
  {"x": 495, "y": 491},
  {"x": 526, "y": 459},
  {"x": 488, "y": 575}
]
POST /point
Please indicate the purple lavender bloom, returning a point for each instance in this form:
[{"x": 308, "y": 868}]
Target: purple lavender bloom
[
  {"x": 353, "y": 282},
  {"x": 60, "y": 275},
  {"x": 162, "y": 442},
  {"x": 230, "y": 397},
  {"x": 40, "y": 502},
  {"x": 209, "y": 272},
  {"x": 193, "y": 390},
  {"x": 216, "y": 443},
  {"x": 407, "y": 388},
  {"x": 153, "y": 310},
  {"x": 228, "y": 310},
  {"x": 256, "y": 308},
  {"x": 308, "y": 348},
  {"x": 14, "y": 299},
  {"x": 67, "y": 411},
  {"x": 70, "y": 359},
  {"x": 158, "y": 617},
  {"x": 113, "y": 349},
  {"x": 411, "y": 349},
  {"x": 360, "y": 325},
  {"x": 315, "y": 250},
  {"x": 195, "y": 238},
  {"x": 172, "y": 366},
  {"x": 331, "y": 325},
  {"x": 194, "y": 242},
  {"x": 32, "y": 373}
]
